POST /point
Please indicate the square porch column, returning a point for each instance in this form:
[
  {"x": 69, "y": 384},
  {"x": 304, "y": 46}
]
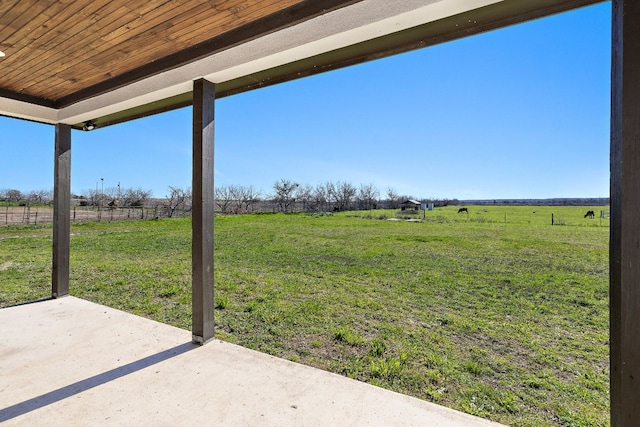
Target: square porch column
[
  {"x": 202, "y": 211},
  {"x": 61, "y": 211},
  {"x": 624, "y": 248}
]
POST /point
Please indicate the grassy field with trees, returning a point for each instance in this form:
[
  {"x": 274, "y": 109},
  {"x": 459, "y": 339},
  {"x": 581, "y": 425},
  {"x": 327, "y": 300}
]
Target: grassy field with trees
[{"x": 495, "y": 312}]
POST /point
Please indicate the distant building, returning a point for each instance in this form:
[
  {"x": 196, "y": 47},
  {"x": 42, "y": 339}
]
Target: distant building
[{"x": 410, "y": 205}]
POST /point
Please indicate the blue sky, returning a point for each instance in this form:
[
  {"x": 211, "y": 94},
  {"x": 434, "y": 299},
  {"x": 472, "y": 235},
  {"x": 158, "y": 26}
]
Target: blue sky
[{"x": 522, "y": 112}]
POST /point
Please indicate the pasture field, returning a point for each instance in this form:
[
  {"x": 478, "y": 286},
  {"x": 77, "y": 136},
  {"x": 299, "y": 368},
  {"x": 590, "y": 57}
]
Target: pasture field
[{"x": 495, "y": 313}]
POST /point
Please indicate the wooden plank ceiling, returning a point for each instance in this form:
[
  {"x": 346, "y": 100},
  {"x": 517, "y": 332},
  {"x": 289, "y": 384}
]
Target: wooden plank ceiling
[{"x": 61, "y": 51}]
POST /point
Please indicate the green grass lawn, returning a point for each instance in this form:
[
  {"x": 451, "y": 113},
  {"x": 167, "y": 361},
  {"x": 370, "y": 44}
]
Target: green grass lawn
[{"x": 495, "y": 313}]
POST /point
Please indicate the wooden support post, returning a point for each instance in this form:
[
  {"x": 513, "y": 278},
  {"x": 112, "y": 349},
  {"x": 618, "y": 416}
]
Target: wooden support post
[
  {"x": 203, "y": 210},
  {"x": 61, "y": 211},
  {"x": 624, "y": 245}
]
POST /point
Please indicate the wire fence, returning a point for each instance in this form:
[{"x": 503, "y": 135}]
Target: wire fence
[{"x": 33, "y": 215}]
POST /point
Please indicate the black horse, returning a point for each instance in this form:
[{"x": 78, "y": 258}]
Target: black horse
[
  {"x": 463, "y": 210},
  {"x": 590, "y": 214}
]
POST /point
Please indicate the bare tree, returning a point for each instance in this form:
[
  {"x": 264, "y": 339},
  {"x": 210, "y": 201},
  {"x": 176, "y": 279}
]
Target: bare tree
[
  {"x": 223, "y": 197},
  {"x": 243, "y": 197},
  {"x": 178, "y": 198},
  {"x": 320, "y": 197},
  {"x": 392, "y": 198},
  {"x": 285, "y": 194},
  {"x": 91, "y": 197},
  {"x": 345, "y": 193},
  {"x": 248, "y": 195},
  {"x": 235, "y": 198},
  {"x": 305, "y": 195},
  {"x": 40, "y": 196},
  {"x": 130, "y": 196},
  {"x": 32, "y": 198},
  {"x": 12, "y": 195},
  {"x": 368, "y": 196},
  {"x": 109, "y": 193},
  {"x": 46, "y": 196},
  {"x": 332, "y": 194},
  {"x": 238, "y": 197}
]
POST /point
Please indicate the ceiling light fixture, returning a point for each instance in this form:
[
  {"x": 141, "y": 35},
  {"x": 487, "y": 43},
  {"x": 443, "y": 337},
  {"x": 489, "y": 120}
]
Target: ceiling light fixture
[{"x": 88, "y": 125}]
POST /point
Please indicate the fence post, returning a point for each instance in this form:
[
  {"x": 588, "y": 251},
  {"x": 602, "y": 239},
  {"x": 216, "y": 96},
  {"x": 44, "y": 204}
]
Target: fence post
[{"x": 551, "y": 219}]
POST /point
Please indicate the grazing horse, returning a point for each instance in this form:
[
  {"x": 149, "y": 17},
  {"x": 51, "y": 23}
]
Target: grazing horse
[
  {"x": 589, "y": 214},
  {"x": 463, "y": 210}
]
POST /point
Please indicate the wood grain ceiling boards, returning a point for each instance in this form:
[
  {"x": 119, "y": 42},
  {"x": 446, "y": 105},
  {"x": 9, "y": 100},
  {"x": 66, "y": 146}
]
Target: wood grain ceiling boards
[{"x": 61, "y": 51}]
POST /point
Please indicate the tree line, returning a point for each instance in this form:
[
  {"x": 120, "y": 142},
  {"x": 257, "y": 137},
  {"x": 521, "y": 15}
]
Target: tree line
[
  {"x": 290, "y": 196},
  {"x": 130, "y": 197},
  {"x": 11, "y": 195},
  {"x": 285, "y": 196}
]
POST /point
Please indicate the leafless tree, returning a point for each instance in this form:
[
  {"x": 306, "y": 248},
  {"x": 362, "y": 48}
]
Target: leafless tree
[
  {"x": 90, "y": 197},
  {"x": 243, "y": 197},
  {"x": 332, "y": 194},
  {"x": 223, "y": 197},
  {"x": 236, "y": 198},
  {"x": 345, "y": 193},
  {"x": 285, "y": 194},
  {"x": 40, "y": 196},
  {"x": 46, "y": 195},
  {"x": 367, "y": 196},
  {"x": 178, "y": 198},
  {"x": 248, "y": 195},
  {"x": 11, "y": 195},
  {"x": 392, "y": 198},
  {"x": 320, "y": 197},
  {"x": 131, "y": 196},
  {"x": 108, "y": 194},
  {"x": 305, "y": 196}
]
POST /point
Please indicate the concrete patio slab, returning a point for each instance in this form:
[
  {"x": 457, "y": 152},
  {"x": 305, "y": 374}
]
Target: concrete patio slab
[{"x": 72, "y": 362}]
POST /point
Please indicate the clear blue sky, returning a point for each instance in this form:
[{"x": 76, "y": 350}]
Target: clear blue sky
[{"x": 521, "y": 112}]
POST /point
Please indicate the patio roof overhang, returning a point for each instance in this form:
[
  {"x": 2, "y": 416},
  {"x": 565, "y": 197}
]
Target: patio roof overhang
[{"x": 112, "y": 61}]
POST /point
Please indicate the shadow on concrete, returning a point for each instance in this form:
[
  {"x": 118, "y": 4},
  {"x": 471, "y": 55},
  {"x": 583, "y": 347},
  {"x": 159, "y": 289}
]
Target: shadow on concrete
[{"x": 89, "y": 383}]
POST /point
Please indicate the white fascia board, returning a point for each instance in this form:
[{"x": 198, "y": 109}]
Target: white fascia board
[
  {"x": 131, "y": 96},
  {"x": 420, "y": 16},
  {"x": 27, "y": 111},
  {"x": 347, "y": 26}
]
